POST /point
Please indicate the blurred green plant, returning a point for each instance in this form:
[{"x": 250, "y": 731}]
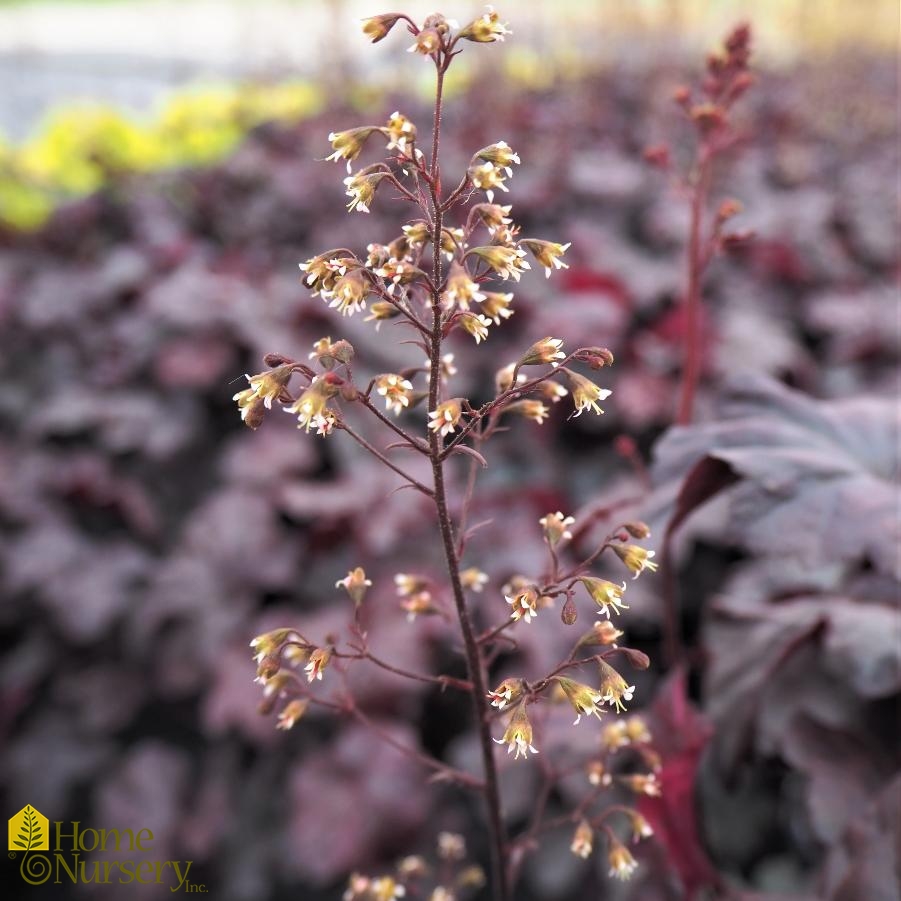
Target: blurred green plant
[{"x": 81, "y": 147}]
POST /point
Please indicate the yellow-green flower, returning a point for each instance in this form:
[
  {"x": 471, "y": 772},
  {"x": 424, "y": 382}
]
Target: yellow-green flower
[
  {"x": 585, "y": 393},
  {"x": 607, "y": 595},
  {"x": 518, "y": 735},
  {"x": 636, "y": 558}
]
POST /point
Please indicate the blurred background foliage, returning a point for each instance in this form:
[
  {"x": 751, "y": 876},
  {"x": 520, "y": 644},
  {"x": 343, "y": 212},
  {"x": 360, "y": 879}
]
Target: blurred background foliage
[{"x": 159, "y": 183}]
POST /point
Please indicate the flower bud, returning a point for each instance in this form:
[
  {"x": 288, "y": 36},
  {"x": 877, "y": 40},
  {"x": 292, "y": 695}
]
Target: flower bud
[
  {"x": 291, "y": 713},
  {"x": 570, "y": 613}
]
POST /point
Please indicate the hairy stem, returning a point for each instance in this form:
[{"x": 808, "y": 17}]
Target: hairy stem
[{"x": 474, "y": 661}]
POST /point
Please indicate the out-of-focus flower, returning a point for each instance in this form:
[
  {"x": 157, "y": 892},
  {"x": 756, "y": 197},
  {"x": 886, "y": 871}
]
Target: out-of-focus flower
[
  {"x": 472, "y": 877},
  {"x": 637, "y": 730},
  {"x": 642, "y": 784},
  {"x": 418, "y": 604},
  {"x": 607, "y": 595},
  {"x": 530, "y": 409},
  {"x": 445, "y": 417},
  {"x": 547, "y": 350},
  {"x": 473, "y": 579},
  {"x": 291, "y": 713},
  {"x": 451, "y": 846},
  {"x": 605, "y": 633},
  {"x": 503, "y": 379},
  {"x": 380, "y": 311},
  {"x": 355, "y": 584},
  {"x": 552, "y": 391},
  {"x": 524, "y": 604},
  {"x": 408, "y": 583},
  {"x": 585, "y": 393},
  {"x": 397, "y": 391},
  {"x": 547, "y": 253},
  {"x": 461, "y": 290},
  {"x": 636, "y": 558},
  {"x": 487, "y": 28},
  {"x": 583, "y": 840},
  {"x": 622, "y": 863},
  {"x": 615, "y": 736},
  {"x": 556, "y": 527},
  {"x": 496, "y": 306},
  {"x": 613, "y": 686},
  {"x": 319, "y": 660},
  {"x": 583, "y": 698},
  {"x": 385, "y": 888},
  {"x": 413, "y": 866},
  {"x": 641, "y": 828},
  {"x": 506, "y": 694},
  {"x": 597, "y": 773}
]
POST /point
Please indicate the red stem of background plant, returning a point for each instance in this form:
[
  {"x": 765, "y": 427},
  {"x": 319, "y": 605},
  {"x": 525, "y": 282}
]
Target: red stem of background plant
[
  {"x": 691, "y": 370},
  {"x": 474, "y": 660}
]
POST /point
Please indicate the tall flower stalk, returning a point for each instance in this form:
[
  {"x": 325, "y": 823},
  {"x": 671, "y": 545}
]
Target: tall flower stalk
[{"x": 436, "y": 278}]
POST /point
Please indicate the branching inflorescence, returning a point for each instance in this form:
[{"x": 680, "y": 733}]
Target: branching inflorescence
[
  {"x": 436, "y": 278},
  {"x": 726, "y": 80}
]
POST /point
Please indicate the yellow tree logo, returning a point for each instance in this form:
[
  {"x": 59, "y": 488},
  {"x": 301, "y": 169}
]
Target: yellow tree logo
[{"x": 29, "y": 831}]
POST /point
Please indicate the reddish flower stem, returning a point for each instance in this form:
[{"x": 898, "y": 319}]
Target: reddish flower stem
[
  {"x": 474, "y": 661},
  {"x": 691, "y": 369}
]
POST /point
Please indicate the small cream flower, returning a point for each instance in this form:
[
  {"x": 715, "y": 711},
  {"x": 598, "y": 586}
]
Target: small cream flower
[
  {"x": 506, "y": 694},
  {"x": 496, "y": 306},
  {"x": 597, "y": 774},
  {"x": 319, "y": 660},
  {"x": 355, "y": 584},
  {"x": 400, "y": 131},
  {"x": 269, "y": 644},
  {"x": 474, "y": 579},
  {"x": 641, "y": 828},
  {"x": 585, "y": 393},
  {"x": 615, "y": 736},
  {"x": 427, "y": 42},
  {"x": 445, "y": 417},
  {"x": 348, "y": 145},
  {"x": 350, "y": 292},
  {"x": 291, "y": 713},
  {"x": 507, "y": 262},
  {"x": 361, "y": 189},
  {"x": 547, "y": 350},
  {"x": 524, "y": 604},
  {"x": 556, "y": 527},
  {"x": 637, "y": 730},
  {"x": 547, "y": 253},
  {"x": 461, "y": 289},
  {"x": 607, "y": 595},
  {"x": 310, "y": 408},
  {"x": 622, "y": 863},
  {"x": 493, "y": 215},
  {"x": 583, "y": 840},
  {"x": 636, "y": 558},
  {"x": 604, "y": 632},
  {"x": 613, "y": 686},
  {"x": 418, "y": 604},
  {"x": 584, "y": 699},
  {"x": 397, "y": 391},
  {"x": 486, "y": 177},
  {"x": 530, "y": 409},
  {"x": 486, "y": 28},
  {"x": 499, "y": 154},
  {"x": 377, "y": 27},
  {"x": 264, "y": 386},
  {"x": 518, "y": 735}
]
